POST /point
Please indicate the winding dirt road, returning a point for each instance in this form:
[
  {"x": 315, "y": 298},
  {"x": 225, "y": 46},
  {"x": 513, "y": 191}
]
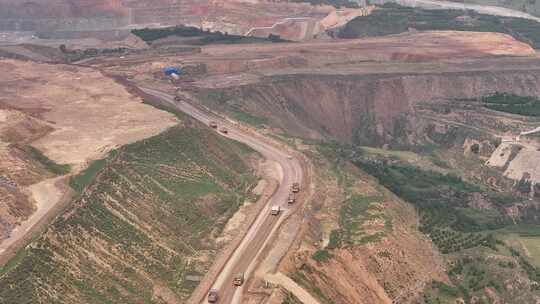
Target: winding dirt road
[{"x": 246, "y": 254}]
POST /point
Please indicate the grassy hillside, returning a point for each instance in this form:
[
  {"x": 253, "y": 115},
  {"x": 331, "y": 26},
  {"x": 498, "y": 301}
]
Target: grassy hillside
[
  {"x": 140, "y": 228},
  {"x": 394, "y": 19}
]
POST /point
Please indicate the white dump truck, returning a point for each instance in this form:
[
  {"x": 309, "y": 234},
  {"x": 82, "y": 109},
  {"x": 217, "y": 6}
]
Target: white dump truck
[{"x": 275, "y": 210}]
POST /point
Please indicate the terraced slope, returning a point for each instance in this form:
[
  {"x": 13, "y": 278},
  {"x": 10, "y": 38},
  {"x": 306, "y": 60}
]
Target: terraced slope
[{"x": 143, "y": 230}]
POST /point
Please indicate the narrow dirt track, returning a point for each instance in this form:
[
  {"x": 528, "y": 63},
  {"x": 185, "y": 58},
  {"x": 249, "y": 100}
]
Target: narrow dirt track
[{"x": 245, "y": 256}]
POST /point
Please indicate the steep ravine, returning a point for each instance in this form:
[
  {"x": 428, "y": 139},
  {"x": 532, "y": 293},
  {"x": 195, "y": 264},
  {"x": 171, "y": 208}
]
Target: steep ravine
[{"x": 366, "y": 109}]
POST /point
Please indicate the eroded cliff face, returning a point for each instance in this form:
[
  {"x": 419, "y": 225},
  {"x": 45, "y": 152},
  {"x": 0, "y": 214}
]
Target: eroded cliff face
[
  {"x": 359, "y": 243},
  {"x": 369, "y": 109}
]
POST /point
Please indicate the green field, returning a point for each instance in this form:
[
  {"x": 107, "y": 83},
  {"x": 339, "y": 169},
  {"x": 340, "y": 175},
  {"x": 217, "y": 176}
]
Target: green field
[
  {"x": 147, "y": 217},
  {"x": 514, "y": 104}
]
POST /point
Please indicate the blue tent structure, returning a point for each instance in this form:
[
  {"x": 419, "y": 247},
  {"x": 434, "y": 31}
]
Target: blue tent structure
[{"x": 172, "y": 70}]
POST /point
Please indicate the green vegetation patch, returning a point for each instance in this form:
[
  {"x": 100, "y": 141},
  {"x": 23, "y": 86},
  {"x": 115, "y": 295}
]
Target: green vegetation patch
[
  {"x": 49, "y": 164},
  {"x": 472, "y": 274},
  {"x": 394, "y": 19},
  {"x": 355, "y": 212},
  {"x": 514, "y": 104},
  {"x": 290, "y": 299},
  {"x": 13, "y": 262},
  {"x": 442, "y": 200},
  {"x": 306, "y": 276},
  {"x": 150, "y": 217},
  {"x": 248, "y": 118},
  {"x": 322, "y": 255},
  {"x": 80, "y": 181},
  {"x": 204, "y": 37}
]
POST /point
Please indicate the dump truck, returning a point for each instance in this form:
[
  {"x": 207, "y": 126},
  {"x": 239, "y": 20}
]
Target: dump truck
[
  {"x": 291, "y": 199},
  {"x": 224, "y": 131},
  {"x": 213, "y": 124},
  {"x": 177, "y": 98},
  {"x": 238, "y": 279},
  {"x": 296, "y": 187},
  {"x": 213, "y": 296},
  {"x": 275, "y": 210}
]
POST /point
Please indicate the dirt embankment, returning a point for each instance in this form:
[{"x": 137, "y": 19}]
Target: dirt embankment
[
  {"x": 369, "y": 109},
  {"x": 370, "y": 254}
]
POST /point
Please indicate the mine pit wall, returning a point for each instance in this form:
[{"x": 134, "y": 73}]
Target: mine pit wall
[{"x": 369, "y": 109}]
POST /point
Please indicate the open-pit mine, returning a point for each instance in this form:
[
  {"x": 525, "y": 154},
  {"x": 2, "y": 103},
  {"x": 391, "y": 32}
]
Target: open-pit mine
[{"x": 236, "y": 151}]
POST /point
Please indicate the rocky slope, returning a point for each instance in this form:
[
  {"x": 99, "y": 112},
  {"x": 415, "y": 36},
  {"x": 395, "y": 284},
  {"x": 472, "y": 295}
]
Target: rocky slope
[
  {"x": 359, "y": 242},
  {"x": 369, "y": 109}
]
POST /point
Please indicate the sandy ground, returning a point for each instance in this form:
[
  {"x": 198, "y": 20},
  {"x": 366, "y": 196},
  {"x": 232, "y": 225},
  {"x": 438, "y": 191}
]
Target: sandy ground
[
  {"x": 290, "y": 285},
  {"x": 500, "y": 156},
  {"x": 73, "y": 115},
  {"x": 46, "y": 194},
  {"x": 527, "y": 161},
  {"x": 90, "y": 114}
]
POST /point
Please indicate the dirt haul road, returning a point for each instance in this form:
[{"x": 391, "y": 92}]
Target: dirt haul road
[{"x": 246, "y": 254}]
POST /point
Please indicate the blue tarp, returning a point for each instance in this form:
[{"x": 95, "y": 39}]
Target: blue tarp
[{"x": 172, "y": 70}]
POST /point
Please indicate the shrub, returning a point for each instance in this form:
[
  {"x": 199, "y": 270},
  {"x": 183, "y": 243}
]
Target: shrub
[{"x": 321, "y": 255}]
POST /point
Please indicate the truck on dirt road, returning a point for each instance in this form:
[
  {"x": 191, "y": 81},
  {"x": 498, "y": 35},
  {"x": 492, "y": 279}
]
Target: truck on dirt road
[
  {"x": 224, "y": 131},
  {"x": 238, "y": 279},
  {"x": 213, "y": 296},
  {"x": 275, "y": 210},
  {"x": 213, "y": 125},
  {"x": 296, "y": 187},
  {"x": 291, "y": 199}
]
